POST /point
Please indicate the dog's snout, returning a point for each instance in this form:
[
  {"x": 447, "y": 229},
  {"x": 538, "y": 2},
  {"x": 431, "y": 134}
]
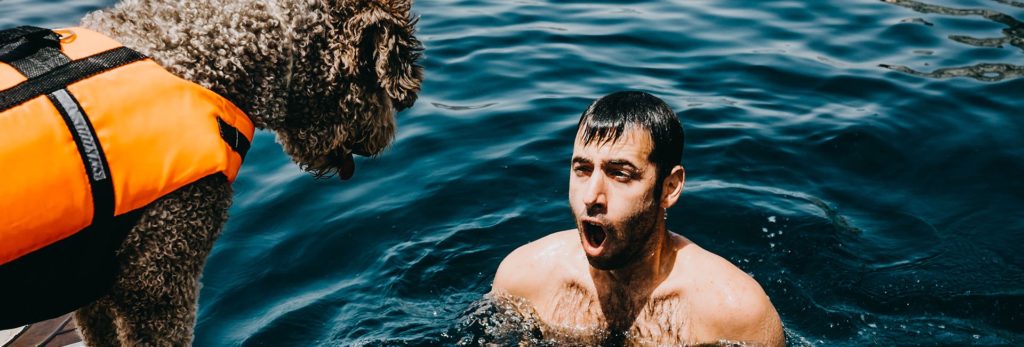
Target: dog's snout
[
  {"x": 401, "y": 105},
  {"x": 359, "y": 150}
]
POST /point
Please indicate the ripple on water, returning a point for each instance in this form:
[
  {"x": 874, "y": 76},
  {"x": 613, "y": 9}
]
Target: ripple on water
[
  {"x": 462, "y": 107},
  {"x": 860, "y": 159},
  {"x": 1011, "y": 35}
]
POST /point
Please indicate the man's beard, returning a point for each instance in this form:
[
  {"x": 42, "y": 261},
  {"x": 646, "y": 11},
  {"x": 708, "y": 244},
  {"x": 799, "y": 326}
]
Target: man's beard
[{"x": 636, "y": 234}]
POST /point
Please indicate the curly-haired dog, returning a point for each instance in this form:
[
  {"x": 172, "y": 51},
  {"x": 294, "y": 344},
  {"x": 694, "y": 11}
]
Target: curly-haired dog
[{"x": 327, "y": 76}]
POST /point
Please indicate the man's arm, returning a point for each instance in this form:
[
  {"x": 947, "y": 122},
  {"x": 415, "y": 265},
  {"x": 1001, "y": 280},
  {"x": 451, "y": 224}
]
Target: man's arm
[
  {"x": 760, "y": 323},
  {"x": 514, "y": 276},
  {"x": 530, "y": 270},
  {"x": 732, "y": 304},
  {"x": 750, "y": 316},
  {"x": 775, "y": 336}
]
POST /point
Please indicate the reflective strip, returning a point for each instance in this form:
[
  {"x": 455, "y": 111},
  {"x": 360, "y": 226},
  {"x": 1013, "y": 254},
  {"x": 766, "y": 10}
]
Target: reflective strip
[
  {"x": 80, "y": 125},
  {"x": 100, "y": 184}
]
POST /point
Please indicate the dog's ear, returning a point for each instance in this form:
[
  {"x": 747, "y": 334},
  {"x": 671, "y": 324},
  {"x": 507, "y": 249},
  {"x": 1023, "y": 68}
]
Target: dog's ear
[
  {"x": 383, "y": 48},
  {"x": 398, "y": 7}
]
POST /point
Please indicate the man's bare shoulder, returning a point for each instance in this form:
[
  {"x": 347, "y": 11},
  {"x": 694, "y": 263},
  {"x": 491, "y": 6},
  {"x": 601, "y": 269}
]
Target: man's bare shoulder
[
  {"x": 530, "y": 268},
  {"x": 730, "y": 303}
]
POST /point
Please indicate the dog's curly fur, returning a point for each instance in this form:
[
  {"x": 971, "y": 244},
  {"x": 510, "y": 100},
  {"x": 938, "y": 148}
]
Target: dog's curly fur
[{"x": 326, "y": 76}]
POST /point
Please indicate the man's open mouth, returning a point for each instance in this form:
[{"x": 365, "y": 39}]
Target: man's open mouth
[{"x": 594, "y": 236}]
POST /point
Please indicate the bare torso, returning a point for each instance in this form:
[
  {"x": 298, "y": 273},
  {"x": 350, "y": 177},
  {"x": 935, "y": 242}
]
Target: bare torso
[
  {"x": 576, "y": 309},
  {"x": 693, "y": 304}
]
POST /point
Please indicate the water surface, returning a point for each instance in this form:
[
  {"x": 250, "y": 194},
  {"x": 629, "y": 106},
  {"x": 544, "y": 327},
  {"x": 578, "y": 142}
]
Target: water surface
[{"x": 861, "y": 159}]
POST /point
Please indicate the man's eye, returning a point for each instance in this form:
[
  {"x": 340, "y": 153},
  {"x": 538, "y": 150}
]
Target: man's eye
[
  {"x": 621, "y": 175},
  {"x": 582, "y": 170}
]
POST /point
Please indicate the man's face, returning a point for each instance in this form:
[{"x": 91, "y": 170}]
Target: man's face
[{"x": 611, "y": 192}]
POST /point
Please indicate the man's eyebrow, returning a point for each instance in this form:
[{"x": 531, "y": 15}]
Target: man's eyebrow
[
  {"x": 622, "y": 162},
  {"x": 581, "y": 160}
]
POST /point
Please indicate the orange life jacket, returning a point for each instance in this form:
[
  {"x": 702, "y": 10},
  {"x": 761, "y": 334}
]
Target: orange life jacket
[{"x": 91, "y": 130}]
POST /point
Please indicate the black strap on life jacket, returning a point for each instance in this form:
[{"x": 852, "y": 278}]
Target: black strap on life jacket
[
  {"x": 32, "y": 51},
  {"x": 60, "y": 77},
  {"x": 233, "y": 137}
]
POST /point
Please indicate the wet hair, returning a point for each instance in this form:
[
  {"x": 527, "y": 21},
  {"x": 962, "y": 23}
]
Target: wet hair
[{"x": 610, "y": 116}]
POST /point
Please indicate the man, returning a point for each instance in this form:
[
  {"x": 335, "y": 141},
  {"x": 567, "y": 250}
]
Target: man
[{"x": 621, "y": 274}]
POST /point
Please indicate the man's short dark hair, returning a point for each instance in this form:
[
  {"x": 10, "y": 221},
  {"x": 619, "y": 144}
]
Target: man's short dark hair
[{"x": 610, "y": 116}]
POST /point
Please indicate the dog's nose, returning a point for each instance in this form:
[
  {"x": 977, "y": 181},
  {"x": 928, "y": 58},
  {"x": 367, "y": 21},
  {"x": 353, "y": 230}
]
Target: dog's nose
[
  {"x": 358, "y": 149},
  {"x": 401, "y": 105}
]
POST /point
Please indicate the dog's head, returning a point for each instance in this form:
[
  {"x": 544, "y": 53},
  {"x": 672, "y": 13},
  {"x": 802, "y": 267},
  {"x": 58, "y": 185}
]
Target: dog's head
[{"x": 354, "y": 72}]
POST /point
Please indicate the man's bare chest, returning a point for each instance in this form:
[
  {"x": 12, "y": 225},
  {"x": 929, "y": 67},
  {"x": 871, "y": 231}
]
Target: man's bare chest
[{"x": 654, "y": 318}]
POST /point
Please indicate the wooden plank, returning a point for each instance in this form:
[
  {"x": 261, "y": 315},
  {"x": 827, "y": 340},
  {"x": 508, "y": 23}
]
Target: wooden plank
[{"x": 56, "y": 332}]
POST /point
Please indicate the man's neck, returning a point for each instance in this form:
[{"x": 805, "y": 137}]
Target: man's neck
[
  {"x": 622, "y": 292},
  {"x": 652, "y": 266}
]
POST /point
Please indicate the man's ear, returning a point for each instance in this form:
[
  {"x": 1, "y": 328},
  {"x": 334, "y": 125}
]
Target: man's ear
[{"x": 672, "y": 186}]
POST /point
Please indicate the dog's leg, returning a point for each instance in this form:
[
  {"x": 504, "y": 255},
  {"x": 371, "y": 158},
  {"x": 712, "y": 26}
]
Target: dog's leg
[
  {"x": 155, "y": 294},
  {"x": 96, "y": 324}
]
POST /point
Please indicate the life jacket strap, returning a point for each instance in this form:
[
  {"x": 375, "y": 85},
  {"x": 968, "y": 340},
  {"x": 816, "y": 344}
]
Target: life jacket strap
[
  {"x": 18, "y": 33},
  {"x": 233, "y": 137},
  {"x": 32, "y": 51},
  {"x": 60, "y": 77},
  {"x": 89, "y": 148}
]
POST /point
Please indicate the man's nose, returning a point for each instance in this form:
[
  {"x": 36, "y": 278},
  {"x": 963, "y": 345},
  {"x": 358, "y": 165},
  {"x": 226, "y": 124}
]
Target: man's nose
[{"x": 594, "y": 197}]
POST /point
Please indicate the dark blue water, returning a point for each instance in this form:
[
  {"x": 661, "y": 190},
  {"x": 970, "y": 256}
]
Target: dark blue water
[{"x": 863, "y": 160}]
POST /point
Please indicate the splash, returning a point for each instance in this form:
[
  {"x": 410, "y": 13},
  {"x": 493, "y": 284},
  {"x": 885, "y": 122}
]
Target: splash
[{"x": 502, "y": 320}]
